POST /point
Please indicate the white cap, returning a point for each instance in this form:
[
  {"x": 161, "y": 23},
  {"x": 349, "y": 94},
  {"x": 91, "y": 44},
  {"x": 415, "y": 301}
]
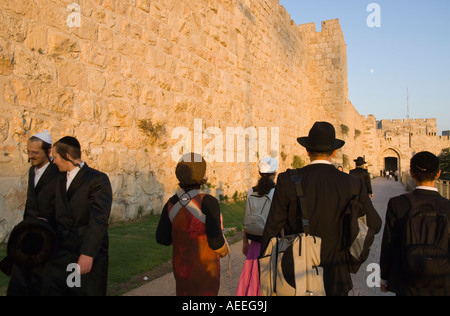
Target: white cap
[
  {"x": 268, "y": 165},
  {"x": 44, "y": 136}
]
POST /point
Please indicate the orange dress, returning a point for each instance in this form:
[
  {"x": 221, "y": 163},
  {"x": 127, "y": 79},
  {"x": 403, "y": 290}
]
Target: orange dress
[{"x": 195, "y": 265}]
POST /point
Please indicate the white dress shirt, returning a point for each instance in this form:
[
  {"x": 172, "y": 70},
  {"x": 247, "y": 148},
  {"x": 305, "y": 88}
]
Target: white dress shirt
[
  {"x": 72, "y": 174},
  {"x": 38, "y": 172}
]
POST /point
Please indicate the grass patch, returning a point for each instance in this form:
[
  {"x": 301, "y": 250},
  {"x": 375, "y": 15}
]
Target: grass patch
[{"x": 134, "y": 253}]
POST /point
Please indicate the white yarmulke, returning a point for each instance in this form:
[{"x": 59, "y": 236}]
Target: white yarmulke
[
  {"x": 44, "y": 136},
  {"x": 268, "y": 165}
]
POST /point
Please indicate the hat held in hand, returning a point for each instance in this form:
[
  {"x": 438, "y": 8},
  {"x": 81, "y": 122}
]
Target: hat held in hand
[{"x": 31, "y": 243}]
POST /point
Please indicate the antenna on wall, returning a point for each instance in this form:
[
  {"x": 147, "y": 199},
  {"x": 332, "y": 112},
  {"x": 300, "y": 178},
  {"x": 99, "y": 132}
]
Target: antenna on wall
[
  {"x": 407, "y": 103},
  {"x": 407, "y": 116}
]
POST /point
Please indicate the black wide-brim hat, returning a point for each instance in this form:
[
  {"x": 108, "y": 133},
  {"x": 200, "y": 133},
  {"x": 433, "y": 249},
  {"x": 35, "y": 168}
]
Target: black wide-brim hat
[
  {"x": 31, "y": 243},
  {"x": 321, "y": 138},
  {"x": 360, "y": 161}
]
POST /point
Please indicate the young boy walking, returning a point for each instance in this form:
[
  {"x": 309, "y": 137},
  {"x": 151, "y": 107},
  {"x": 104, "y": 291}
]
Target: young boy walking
[{"x": 415, "y": 255}]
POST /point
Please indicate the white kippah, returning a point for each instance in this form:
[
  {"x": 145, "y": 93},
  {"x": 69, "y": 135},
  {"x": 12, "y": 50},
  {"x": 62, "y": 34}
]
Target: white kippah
[{"x": 44, "y": 136}]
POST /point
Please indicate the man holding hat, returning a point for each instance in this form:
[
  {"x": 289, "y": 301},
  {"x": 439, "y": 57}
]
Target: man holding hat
[
  {"x": 83, "y": 206},
  {"x": 425, "y": 170},
  {"x": 327, "y": 192},
  {"x": 362, "y": 173},
  {"x": 39, "y": 216}
]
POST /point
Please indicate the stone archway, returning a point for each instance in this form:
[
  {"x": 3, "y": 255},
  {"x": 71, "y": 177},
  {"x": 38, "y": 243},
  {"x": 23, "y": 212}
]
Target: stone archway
[{"x": 391, "y": 160}]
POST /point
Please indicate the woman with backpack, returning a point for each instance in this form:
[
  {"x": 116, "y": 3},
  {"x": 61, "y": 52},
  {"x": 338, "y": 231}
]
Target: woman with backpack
[
  {"x": 259, "y": 199},
  {"x": 192, "y": 223}
]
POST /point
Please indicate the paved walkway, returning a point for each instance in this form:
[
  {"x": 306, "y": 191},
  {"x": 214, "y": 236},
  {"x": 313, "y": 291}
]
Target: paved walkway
[{"x": 383, "y": 191}]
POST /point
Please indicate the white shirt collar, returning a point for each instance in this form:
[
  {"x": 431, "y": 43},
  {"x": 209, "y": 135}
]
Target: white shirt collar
[
  {"x": 421, "y": 187},
  {"x": 315, "y": 162},
  {"x": 72, "y": 174},
  {"x": 38, "y": 172}
]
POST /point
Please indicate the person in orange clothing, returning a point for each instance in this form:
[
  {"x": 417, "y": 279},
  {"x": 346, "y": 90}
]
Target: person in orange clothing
[{"x": 191, "y": 222}]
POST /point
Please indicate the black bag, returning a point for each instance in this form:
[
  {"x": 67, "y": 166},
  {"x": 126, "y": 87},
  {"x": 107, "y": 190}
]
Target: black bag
[
  {"x": 357, "y": 237},
  {"x": 426, "y": 244}
]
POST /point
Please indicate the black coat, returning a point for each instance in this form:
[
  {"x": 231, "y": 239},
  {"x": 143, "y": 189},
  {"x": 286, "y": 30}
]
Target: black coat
[
  {"x": 40, "y": 204},
  {"x": 327, "y": 193},
  {"x": 82, "y": 215},
  {"x": 391, "y": 247},
  {"x": 364, "y": 175},
  {"x": 41, "y": 199}
]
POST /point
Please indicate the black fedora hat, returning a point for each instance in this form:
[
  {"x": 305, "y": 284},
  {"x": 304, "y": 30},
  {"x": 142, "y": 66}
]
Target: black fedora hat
[
  {"x": 321, "y": 138},
  {"x": 360, "y": 161},
  {"x": 31, "y": 243}
]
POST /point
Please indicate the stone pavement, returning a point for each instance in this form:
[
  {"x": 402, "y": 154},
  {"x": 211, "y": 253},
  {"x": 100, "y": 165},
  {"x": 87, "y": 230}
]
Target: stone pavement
[{"x": 383, "y": 191}]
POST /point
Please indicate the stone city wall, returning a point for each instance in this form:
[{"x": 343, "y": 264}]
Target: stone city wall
[
  {"x": 135, "y": 71},
  {"x": 139, "y": 81}
]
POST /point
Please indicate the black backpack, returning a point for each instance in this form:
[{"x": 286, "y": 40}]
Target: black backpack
[{"x": 426, "y": 244}]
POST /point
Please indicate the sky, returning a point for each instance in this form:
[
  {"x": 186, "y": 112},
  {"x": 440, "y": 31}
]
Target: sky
[{"x": 409, "y": 51}]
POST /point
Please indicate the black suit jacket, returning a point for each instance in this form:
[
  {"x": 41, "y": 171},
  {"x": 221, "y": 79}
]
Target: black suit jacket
[
  {"x": 327, "y": 193},
  {"x": 40, "y": 204},
  {"x": 391, "y": 247},
  {"x": 82, "y": 213},
  {"x": 364, "y": 175},
  {"x": 41, "y": 199}
]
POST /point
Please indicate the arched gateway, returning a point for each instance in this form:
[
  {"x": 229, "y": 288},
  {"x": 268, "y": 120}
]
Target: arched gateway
[{"x": 391, "y": 160}]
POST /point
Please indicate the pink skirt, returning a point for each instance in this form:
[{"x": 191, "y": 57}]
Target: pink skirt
[{"x": 249, "y": 280}]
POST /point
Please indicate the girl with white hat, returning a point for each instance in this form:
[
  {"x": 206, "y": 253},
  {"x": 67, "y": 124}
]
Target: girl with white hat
[{"x": 259, "y": 200}]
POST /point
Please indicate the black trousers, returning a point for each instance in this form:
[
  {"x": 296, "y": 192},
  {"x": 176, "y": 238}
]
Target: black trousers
[
  {"x": 25, "y": 281},
  {"x": 58, "y": 280}
]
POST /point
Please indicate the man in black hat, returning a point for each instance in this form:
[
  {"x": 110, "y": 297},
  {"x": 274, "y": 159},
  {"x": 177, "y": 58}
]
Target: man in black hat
[
  {"x": 83, "y": 205},
  {"x": 425, "y": 170},
  {"x": 362, "y": 173},
  {"x": 327, "y": 193},
  {"x": 39, "y": 211}
]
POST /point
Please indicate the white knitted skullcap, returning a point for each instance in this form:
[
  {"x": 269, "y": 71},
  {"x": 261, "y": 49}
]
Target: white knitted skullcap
[{"x": 44, "y": 136}]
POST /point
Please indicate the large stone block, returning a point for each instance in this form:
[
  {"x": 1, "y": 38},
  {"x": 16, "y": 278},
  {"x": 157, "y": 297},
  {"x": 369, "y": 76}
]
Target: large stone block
[
  {"x": 34, "y": 65},
  {"x": 6, "y": 57},
  {"x": 59, "y": 44},
  {"x": 14, "y": 28},
  {"x": 72, "y": 74}
]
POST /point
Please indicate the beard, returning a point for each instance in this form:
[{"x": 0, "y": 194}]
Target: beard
[{"x": 37, "y": 163}]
